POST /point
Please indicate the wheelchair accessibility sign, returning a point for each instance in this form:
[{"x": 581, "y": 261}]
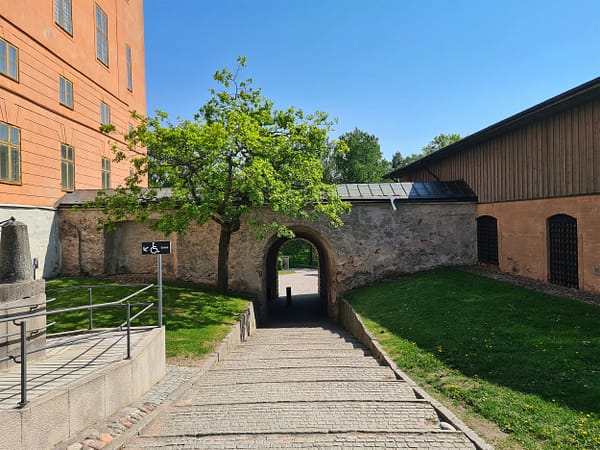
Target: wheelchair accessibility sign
[{"x": 156, "y": 248}]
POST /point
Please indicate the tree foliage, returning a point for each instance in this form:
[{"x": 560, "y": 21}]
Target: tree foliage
[
  {"x": 239, "y": 154},
  {"x": 360, "y": 162},
  {"x": 437, "y": 143}
]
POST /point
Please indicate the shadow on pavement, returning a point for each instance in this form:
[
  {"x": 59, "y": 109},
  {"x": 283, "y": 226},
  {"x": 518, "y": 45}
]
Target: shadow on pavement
[{"x": 303, "y": 308}]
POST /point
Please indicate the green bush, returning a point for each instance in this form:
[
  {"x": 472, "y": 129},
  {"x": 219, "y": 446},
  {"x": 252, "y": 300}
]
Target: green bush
[{"x": 301, "y": 253}]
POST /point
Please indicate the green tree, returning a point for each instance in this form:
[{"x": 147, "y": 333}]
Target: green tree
[
  {"x": 437, "y": 143},
  {"x": 362, "y": 162},
  {"x": 237, "y": 155}
]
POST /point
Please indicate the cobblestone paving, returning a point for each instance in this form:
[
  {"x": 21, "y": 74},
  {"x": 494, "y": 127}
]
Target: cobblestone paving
[{"x": 272, "y": 393}]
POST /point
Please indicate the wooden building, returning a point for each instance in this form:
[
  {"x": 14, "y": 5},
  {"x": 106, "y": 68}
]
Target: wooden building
[
  {"x": 66, "y": 67},
  {"x": 537, "y": 178}
]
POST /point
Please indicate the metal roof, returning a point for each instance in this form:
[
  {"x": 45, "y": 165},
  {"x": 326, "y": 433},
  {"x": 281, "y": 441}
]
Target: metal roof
[{"x": 432, "y": 191}]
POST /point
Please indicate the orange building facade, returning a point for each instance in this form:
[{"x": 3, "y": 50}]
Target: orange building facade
[{"x": 66, "y": 68}]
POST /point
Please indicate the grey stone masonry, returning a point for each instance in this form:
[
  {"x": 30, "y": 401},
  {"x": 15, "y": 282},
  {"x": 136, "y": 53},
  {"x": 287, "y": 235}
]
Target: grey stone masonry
[
  {"x": 310, "y": 386},
  {"x": 15, "y": 254}
]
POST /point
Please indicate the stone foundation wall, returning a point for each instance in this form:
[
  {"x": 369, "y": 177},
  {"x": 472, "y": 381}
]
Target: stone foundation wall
[{"x": 376, "y": 242}]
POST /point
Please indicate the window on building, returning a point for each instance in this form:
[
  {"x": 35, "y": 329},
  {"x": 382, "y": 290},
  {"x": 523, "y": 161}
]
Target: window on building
[
  {"x": 487, "y": 240},
  {"x": 65, "y": 92},
  {"x": 9, "y": 60},
  {"x": 562, "y": 251},
  {"x": 105, "y": 173},
  {"x": 129, "y": 73},
  {"x": 62, "y": 15},
  {"x": 101, "y": 36},
  {"x": 104, "y": 114},
  {"x": 67, "y": 167},
  {"x": 10, "y": 154}
]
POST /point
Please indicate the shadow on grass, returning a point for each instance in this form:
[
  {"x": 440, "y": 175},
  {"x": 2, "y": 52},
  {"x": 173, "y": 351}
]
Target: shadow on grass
[{"x": 510, "y": 336}]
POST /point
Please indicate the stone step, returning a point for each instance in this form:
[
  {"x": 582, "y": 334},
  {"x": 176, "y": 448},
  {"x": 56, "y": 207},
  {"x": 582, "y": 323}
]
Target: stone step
[
  {"x": 311, "y": 391},
  {"x": 270, "y": 353},
  {"x": 442, "y": 440},
  {"x": 282, "y": 375},
  {"x": 299, "y": 417},
  {"x": 298, "y": 362}
]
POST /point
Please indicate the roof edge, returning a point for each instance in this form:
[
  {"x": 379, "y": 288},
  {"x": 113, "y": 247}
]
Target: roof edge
[{"x": 564, "y": 100}]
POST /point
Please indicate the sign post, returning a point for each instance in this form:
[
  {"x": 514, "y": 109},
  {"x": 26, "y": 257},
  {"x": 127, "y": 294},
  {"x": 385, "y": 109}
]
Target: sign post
[{"x": 158, "y": 248}]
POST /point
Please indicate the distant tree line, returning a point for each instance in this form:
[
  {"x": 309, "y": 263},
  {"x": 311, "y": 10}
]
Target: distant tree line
[{"x": 359, "y": 158}]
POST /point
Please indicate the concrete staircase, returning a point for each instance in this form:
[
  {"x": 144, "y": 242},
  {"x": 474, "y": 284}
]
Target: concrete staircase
[{"x": 301, "y": 387}]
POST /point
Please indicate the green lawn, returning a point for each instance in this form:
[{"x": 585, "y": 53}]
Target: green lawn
[
  {"x": 196, "y": 319},
  {"x": 526, "y": 361}
]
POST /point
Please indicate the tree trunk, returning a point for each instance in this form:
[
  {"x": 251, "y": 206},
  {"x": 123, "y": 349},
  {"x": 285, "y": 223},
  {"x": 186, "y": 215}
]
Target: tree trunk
[{"x": 227, "y": 229}]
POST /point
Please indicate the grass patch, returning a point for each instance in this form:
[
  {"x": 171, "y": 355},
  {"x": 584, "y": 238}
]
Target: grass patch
[
  {"x": 527, "y": 361},
  {"x": 196, "y": 319}
]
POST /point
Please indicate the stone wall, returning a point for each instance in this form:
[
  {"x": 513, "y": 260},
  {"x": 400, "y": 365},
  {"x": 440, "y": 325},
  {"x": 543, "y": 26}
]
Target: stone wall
[{"x": 376, "y": 242}]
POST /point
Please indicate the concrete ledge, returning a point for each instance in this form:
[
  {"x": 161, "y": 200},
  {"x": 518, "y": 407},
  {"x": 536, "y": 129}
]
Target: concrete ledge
[
  {"x": 350, "y": 320},
  {"x": 64, "y": 412}
]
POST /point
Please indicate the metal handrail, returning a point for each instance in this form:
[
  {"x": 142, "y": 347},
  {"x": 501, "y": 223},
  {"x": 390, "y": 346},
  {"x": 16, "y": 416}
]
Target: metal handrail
[
  {"x": 71, "y": 309},
  {"x": 20, "y": 321}
]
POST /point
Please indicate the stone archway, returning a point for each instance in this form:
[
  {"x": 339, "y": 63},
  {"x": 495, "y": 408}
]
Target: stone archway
[{"x": 327, "y": 279}]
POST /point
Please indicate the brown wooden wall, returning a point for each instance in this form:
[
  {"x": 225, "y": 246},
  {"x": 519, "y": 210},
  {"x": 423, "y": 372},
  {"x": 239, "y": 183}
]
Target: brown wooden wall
[{"x": 554, "y": 156}]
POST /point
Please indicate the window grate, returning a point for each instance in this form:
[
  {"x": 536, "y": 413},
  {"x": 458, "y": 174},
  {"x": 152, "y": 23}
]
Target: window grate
[
  {"x": 487, "y": 240},
  {"x": 562, "y": 251}
]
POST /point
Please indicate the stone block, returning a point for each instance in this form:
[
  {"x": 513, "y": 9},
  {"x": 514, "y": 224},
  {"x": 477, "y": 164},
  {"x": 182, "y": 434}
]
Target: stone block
[{"x": 43, "y": 423}]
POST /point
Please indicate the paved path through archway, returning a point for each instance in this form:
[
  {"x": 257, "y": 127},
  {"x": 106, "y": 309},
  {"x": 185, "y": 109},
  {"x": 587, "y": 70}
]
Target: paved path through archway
[{"x": 301, "y": 387}]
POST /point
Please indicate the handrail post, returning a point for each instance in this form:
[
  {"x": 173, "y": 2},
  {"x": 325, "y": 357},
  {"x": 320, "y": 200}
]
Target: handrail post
[
  {"x": 23, "y": 327},
  {"x": 90, "y": 312},
  {"x": 160, "y": 293},
  {"x": 128, "y": 331}
]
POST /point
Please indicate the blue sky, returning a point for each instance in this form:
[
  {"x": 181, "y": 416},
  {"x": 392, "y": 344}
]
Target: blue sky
[{"x": 403, "y": 70}]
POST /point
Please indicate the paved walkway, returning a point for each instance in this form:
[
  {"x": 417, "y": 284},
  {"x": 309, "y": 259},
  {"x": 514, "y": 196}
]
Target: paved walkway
[{"x": 299, "y": 386}]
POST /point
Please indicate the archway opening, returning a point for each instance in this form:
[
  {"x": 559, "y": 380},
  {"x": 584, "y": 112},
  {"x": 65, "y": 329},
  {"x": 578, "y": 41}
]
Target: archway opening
[{"x": 298, "y": 284}]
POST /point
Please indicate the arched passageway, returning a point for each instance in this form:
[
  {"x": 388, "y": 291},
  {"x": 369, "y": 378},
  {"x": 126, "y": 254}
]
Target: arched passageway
[{"x": 302, "y": 307}]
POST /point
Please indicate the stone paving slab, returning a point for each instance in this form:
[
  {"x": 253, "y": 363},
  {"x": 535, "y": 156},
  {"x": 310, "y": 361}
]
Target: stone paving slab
[
  {"x": 305, "y": 417},
  {"x": 277, "y": 392},
  {"x": 250, "y": 376},
  {"x": 421, "y": 441},
  {"x": 277, "y": 353},
  {"x": 310, "y": 391},
  {"x": 350, "y": 362}
]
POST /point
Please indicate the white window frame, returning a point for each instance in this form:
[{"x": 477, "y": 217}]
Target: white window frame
[
  {"x": 67, "y": 167},
  {"x": 11, "y": 143},
  {"x": 63, "y": 16},
  {"x": 104, "y": 114},
  {"x": 101, "y": 36},
  {"x": 9, "y": 60},
  {"x": 65, "y": 92}
]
